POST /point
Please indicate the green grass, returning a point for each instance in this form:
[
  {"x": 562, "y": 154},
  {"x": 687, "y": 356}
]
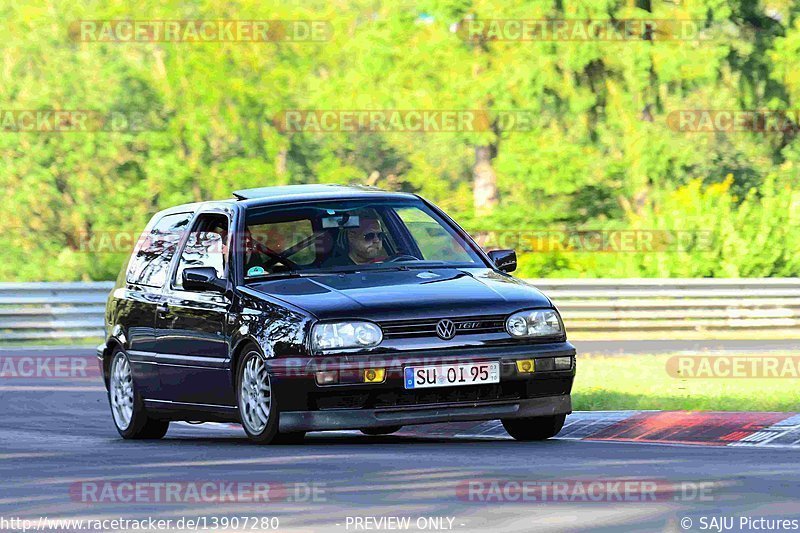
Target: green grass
[{"x": 642, "y": 382}]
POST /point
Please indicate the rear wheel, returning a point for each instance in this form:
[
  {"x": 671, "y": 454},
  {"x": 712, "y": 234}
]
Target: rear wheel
[
  {"x": 257, "y": 407},
  {"x": 536, "y": 428},
  {"x": 127, "y": 405},
  {"x": 386, "y": 430}
]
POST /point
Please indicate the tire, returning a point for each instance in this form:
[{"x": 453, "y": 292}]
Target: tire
[
  {"x": 258, "y": 410},
  {"x": 386, "y": 430},
  {"x": 538, "y": 428},
  {"x": 127, "y": 406}
]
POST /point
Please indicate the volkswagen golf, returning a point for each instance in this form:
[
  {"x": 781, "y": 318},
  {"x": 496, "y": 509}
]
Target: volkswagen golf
[{"x": 322, "y": 307}]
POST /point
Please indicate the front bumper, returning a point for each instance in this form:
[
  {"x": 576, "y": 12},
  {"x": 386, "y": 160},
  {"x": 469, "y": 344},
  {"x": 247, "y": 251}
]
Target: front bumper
[
  {"x": 306, "y": 406},
  {"x": 373, "y": 418}
]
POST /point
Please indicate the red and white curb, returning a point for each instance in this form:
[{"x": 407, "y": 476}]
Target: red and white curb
[
  {"x": 752, "y": 429},
  {"x": 699, "y": 428}
]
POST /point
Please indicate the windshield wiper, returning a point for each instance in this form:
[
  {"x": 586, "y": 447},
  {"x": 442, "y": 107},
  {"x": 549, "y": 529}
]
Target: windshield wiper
[
  {"x": 281, "y": 275},
  {"x": 425, "y": 264},
  {"x": 384, "y": 267},
  {"x": 360, "y": 268},
  {"x": 369, "y": 267}
]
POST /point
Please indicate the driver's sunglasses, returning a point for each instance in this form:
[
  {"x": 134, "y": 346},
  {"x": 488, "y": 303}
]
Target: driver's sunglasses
[{"x": 372, "y": 235}]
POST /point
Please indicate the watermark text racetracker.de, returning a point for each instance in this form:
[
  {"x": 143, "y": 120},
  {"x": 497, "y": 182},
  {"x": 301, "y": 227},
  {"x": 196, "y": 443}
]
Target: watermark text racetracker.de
[
  {"x": 600, "y": 241},
  {"x": 734, "y": 366},
  {"x": 194, "y": 523},
  {"x": 200, "y": 31},
  {"x": 734, "y": 121},
  {"x": 521, "y": 240},
  {"x": 207, "y": 492},
  {"x": 582, "y": 30},
  {"x": 75, "y": 121},
  {"x": 403, "y": 120},
  {"x": 600, "y": 490},
  {"x": 48, "y": 367}
]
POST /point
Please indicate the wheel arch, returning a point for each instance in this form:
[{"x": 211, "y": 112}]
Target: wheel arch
[
  {"x": 238, "y": 351},
  {"x": 112, "y": 344}
]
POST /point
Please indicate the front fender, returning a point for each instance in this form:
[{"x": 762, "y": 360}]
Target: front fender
[{"x": 278, "y": 330}]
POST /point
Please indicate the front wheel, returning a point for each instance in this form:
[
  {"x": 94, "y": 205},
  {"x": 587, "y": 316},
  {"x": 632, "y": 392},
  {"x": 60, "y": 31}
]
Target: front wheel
[
  {"x": 127, "y": 405},
  {"x": 536, "y": 428},
  {"x": 257, "y": 408}
]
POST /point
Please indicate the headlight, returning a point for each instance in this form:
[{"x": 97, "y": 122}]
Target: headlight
[
  {"x": 535, "y": 323},
  {"x": 343, "y": 335}
]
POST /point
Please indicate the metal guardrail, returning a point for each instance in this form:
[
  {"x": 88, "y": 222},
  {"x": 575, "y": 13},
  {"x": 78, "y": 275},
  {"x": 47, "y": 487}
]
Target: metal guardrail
[
  {"x": 675, "y": 305},
  {"x": 63, "y": 311},
  {"x": 52, "y": 311}
]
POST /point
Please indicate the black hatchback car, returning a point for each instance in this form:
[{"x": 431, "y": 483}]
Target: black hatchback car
[{"x": 321, "y": 307}]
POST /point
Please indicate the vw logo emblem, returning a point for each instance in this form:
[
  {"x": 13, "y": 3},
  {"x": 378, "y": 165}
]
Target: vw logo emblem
[{"x": 446, "y": 329}]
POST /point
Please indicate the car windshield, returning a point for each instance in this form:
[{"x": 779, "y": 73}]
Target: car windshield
[{"x": 342, "y": 236}]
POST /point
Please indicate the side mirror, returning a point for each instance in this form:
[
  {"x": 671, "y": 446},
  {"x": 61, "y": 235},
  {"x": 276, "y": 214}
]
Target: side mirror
[
  {"x": 202, "y": 279},
  {"x": 505, "y": 260}
]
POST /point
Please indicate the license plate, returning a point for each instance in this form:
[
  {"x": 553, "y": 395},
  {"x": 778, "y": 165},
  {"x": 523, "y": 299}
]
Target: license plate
[{"x": 422, "y": 377}]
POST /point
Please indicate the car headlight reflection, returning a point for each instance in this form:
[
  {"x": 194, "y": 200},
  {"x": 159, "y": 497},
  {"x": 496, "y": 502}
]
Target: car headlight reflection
[
  {"x": 344, "y": 335},
  {"x": 535, "y": 323}
]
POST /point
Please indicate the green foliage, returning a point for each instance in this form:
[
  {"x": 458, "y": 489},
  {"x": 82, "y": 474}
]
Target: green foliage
[
  {"x": 600, "y": 154},
  {"x": 693, "y": 231}
]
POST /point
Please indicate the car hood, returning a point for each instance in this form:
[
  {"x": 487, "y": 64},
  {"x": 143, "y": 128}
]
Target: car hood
[{"x": 385, "y": 295}]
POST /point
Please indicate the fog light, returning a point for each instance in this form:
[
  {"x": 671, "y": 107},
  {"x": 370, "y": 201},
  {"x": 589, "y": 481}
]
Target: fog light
[
  {"x": 328, "y": 377},
  {"x": 563, "y": 363},
  {"x": 374, "y": 375},
  {"x": 525, "y": 366}
]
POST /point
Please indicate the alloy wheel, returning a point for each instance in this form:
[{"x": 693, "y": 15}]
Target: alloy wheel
[
  {"x": 121, "y": 388},
  {"x": 255, "y": 395}
]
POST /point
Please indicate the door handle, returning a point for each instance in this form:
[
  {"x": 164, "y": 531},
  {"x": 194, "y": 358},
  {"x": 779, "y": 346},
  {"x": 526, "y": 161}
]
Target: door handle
[{"x": 163, "y": 307}]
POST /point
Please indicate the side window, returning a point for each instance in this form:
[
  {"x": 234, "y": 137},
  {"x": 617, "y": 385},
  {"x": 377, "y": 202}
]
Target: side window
[
  {"x": 207, "y": 246},
  {"x": 154, "y": 251}
]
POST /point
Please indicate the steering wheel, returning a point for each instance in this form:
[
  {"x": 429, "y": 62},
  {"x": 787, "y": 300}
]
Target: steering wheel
[
  {"x": 401, "y": 257},
  {"x": 274, "y": 256}
]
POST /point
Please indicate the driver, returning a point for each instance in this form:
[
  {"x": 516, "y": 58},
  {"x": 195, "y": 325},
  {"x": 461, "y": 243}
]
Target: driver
[
  {"x": 365, "y": 243},
  {"x": 361, "y": 245}
]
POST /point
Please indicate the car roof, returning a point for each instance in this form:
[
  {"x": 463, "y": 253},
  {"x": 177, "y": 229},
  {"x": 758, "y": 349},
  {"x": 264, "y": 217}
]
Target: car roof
[
  {"x": 301, "y": 193},
  {"x": 295, "y": 193}
]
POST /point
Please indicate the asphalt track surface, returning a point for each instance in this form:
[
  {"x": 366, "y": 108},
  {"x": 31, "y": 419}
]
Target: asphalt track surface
[{"x": 57, "y": 438}]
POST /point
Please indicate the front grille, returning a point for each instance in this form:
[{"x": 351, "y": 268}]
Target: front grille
[
  {"x": 340, "y": 401},
  {"x": 473, "y": 393},
  {"x": 469, "y": 325}
]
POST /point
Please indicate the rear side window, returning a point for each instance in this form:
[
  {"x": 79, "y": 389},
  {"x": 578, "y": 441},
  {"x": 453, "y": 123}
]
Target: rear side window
[{"x": 150, "y": 261}]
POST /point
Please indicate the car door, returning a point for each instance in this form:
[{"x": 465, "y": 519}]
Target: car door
[
  {"x": 137, "y": 299},
  {"x": 192, "y": 336}
]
